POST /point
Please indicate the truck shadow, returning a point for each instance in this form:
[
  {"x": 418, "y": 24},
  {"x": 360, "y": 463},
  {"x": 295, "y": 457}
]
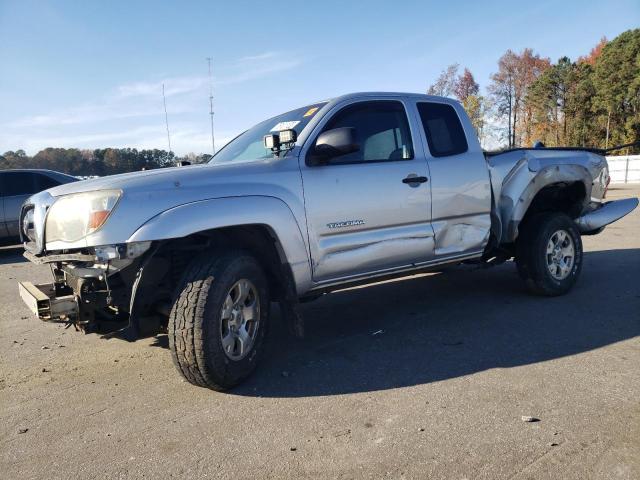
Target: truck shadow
[{"x": 447, "y": 325}]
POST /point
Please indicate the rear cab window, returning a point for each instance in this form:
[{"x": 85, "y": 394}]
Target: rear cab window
[{"x": 442, "y": 127}]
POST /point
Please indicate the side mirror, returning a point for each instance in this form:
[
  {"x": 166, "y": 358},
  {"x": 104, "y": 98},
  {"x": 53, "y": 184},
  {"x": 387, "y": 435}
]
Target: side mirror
[{"x": 333, "y": 143}]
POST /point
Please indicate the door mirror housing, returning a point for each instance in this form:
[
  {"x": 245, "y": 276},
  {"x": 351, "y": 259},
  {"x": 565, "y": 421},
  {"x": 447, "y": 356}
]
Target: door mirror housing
[{"x": 333, "y": 143}]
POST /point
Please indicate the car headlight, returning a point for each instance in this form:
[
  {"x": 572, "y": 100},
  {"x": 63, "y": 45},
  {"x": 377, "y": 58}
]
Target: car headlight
[{"x": 73, "y": 217}]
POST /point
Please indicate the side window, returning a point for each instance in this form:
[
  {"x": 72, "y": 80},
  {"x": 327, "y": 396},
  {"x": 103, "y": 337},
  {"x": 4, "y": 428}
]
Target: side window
[
  {"x": 443, "y": 129},
  {"x": 382, "y": 131},
  {"x": 18, "y": 183},
  {"x": 44, "y": 182}
]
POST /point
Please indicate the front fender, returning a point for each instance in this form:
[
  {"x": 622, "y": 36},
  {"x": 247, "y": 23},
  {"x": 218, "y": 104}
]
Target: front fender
[{"x": 190, "y": 218}]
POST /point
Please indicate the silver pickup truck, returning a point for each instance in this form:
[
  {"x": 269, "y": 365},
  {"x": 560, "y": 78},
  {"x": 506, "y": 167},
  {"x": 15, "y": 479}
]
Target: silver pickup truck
[{"x": 341, "y": 192}]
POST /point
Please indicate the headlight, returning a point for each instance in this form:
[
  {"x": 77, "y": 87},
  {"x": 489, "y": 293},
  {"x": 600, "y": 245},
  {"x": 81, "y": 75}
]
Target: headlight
[
  {"x": 73, "y": 217},
  {"x": 28, "y": 227}
]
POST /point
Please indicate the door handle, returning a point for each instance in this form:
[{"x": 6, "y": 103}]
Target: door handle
[{"x": 414, "y": 179}]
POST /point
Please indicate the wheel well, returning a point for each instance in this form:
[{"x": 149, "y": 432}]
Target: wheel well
[
  {"x": 171, "y": 258},
  {"x": 259, "y": 240},
  {"x": 560, "y": 197}
]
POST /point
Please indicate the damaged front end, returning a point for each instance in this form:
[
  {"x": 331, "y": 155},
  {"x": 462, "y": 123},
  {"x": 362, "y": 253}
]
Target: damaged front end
[{"x": 91, "y": 289}]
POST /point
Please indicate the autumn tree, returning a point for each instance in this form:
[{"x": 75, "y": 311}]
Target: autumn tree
[
  {"x": 467, "y": 90},
  {"x": 509, "y": 87},
  {"x": 502, "y": 90},
  {"x": 445, "y": 84},
  {"x": 594, "y": 53},
  {"x": 15, "y": 159},
  {"x": 465, "y": 85}
]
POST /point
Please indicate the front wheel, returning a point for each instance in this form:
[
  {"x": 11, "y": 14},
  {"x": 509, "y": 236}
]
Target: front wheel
[
  {"x": 219, "y": 320},
  {"x": 549, "y": 254}
]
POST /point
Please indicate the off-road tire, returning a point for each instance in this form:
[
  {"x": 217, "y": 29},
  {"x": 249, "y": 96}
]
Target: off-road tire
[
  {"x": 194, "y": 321},
  {"x": 531, "y": 256}
]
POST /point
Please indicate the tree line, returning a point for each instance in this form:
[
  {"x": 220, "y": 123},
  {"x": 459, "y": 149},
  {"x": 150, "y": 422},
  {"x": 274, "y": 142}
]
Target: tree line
[
  {"x": 593, "y": 101},
  {"x": 98, "y": 162}
]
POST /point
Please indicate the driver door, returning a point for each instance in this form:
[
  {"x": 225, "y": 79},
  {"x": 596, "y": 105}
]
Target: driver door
[{"x": 369, "y": 211}]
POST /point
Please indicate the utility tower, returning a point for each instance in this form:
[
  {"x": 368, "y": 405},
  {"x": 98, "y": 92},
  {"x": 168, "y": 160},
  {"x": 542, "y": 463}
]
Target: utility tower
[
  {"x": 166, "y": 117},
  {"x": 213, "y": 143}
]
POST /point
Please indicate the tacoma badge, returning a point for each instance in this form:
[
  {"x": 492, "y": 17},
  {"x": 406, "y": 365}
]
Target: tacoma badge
[{"x": 346, "y": 223}]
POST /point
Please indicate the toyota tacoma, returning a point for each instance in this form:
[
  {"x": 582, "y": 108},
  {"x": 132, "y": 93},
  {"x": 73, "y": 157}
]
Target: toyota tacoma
[{"x": 347, "y": 191}]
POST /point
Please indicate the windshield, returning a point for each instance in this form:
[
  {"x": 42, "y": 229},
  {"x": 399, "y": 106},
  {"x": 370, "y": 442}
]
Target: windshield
[{"x": 249, "y": 145}]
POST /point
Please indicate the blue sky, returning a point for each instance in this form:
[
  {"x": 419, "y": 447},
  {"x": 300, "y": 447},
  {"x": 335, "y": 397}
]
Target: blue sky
[{"x": 88, "y": 74}]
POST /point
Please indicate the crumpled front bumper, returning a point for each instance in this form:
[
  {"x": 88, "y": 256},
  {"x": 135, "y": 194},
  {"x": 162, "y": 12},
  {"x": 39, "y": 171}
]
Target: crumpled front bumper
[{"x": 608, "y": 213}]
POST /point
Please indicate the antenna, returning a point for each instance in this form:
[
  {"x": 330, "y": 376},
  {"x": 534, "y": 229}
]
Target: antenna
[
  {"x": 166, "y": 117},
  {"x": 213, "y": 144}
]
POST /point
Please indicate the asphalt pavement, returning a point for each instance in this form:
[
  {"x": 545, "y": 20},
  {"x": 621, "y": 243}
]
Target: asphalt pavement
[{"x": 425, "y": 377}]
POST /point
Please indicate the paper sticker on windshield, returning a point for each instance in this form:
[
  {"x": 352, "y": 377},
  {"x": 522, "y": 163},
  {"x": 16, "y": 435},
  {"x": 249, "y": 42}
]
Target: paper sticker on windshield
[
  {"x": 311, "y": 111},
  {"x": 285, "y": 126}
]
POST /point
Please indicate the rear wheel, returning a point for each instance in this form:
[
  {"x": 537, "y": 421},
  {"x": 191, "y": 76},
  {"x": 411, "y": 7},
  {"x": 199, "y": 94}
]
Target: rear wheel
[
  {"x": 549, "y": 254},
  {"x": 218, "y": 323}
]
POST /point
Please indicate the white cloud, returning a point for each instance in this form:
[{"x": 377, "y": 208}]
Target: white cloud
[
  {"x": 259, "y": 57},
  {"x": 256, "y": 66},
  {"x": 83, "y": 114},
  {"x": 172, "y": 86},
  {"x": 244, "y": 69}
]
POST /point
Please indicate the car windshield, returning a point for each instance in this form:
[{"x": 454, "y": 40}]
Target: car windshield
[{"x": 249, "y": 145}]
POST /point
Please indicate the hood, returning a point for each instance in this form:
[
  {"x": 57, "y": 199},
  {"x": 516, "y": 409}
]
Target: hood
[{"x": 160, "y": 178}]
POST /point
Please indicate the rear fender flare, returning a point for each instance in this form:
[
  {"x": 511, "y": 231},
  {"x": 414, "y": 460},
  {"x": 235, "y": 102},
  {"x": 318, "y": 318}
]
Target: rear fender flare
[{"x": 520, "y": 190}]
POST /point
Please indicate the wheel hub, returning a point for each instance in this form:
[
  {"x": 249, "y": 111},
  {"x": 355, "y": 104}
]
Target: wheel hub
[
  {"x": 239, "y": 319},
  {"x": 236, "y": 319},
  {"x": 560, "y": 254}
]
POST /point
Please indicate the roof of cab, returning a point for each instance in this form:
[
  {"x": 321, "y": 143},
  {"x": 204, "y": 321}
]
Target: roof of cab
[{"x": 421, "y": 96}]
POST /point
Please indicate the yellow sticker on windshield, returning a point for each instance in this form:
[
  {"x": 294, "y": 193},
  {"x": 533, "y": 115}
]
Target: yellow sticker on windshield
[{"x": 311, "y": 111}]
